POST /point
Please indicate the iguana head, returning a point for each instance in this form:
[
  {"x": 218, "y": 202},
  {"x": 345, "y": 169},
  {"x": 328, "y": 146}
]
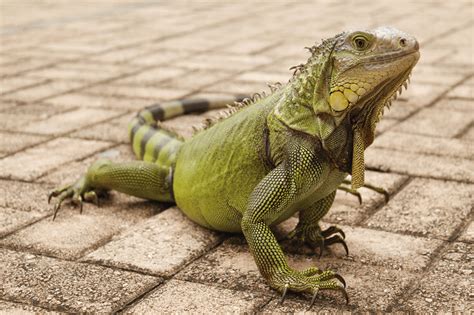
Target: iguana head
[
  {"x": 367, "y": 69},
  {"x": 349, "y": 79}
]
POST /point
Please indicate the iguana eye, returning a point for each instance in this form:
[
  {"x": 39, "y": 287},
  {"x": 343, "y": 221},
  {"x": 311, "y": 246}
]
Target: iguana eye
[{"x": 360, "y": 42}]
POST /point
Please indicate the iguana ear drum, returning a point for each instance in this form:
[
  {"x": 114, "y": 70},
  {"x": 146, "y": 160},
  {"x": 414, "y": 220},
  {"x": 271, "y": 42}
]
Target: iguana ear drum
[{"x": 338, "y": 101}]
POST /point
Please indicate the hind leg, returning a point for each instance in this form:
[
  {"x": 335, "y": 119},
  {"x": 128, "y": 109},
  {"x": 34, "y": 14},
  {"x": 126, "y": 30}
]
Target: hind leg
[{"x": 141, "y": 179}]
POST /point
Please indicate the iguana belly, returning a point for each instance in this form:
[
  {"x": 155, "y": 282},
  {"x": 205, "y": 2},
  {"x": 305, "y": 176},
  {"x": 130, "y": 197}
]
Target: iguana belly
[{"x": 217, "y": 170}]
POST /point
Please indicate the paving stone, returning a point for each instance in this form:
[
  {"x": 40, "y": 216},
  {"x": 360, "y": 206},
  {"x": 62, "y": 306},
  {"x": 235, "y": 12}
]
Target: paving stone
[
  {"x": 415, "y": 164},
  {"x": 24, "y": 65},
  {"x": 197, "y": 298},
  {"x": 115, "y": 130},
  {"x": 70, "y": 172},
  {"x": 223, "y": 62},
  {"x": 17, "y": 308},
  {"x": 426, "y": 207},
  {"x": 160, "y": 57},
  {"x": 422, "y": 94},
  {"x": 469, "y": 134},
  {"x": 400, "y": 110},
  {"x": 367, "y": 246},
  {"x": 447, "y": 287},
  {"x": 263, "y": 77},
  {"x": 230, "y": 266},
  {"x": 23, "y": 196},
  {"x": 196, "y": 80},
  {"x": 12, "y": 219},
  {"x": 69, "y": 121},
  {"x": 12, "y": 142},
  {"x": 435, "y": 74},
  {"x": 455, "y": 104},
  {"x": 425, "y": 145},
  {"x": 468, "y": 234},
  {"x": 72, "y": 234},
  {"x": 462, "y": 91},
  {"x": 151, "y": 93},
  {"x": 68, "y": 286},
  {"x": 429, "y": 120},
  {"x": 161, "y": 245},
  {"x": 38, "y": 160},
  {"x": 237, "y": 87},
  {"x": 43, "y": 91},
  {"x": 102, "y": 101},
  {"x": 61, "y": 72},
  {"x": 249, "y": 46},
  {"x": 15, "y": 83},
  {"x": 346, "y": 208},
  {"x": 152, "y": 76},
  {"x": 384, "y": 125}
]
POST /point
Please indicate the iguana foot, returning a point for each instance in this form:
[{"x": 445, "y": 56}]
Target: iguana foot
[
  {"x": 314, "y": 237},
  {"x": 311, "y": 281},
  {"x": 354, "y": 192},
  {"x": 77, "y": 193}
]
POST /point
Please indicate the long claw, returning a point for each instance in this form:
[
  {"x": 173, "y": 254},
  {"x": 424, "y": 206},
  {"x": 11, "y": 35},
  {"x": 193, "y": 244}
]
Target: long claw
[
  {"x": 344, "y": 293},
  {"x": 321, "y": 248},
  {"x": 92, "y": 196},
  {"x": 313, "y": 299},
  {"x": 283, "y": 295},
  {"x": 332, "y": 230},
  {"x": 56, "y": 209},
  {"x": 341, "y": 279},
  {"x": 337, "y": 239}
]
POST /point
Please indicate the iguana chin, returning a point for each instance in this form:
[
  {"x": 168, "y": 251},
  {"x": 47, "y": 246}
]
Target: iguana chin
[{"x": 276, "y": 155}]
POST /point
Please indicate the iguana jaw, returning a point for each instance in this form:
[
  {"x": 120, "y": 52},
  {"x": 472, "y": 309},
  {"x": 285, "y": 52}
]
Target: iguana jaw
[{"x": 370, "y": 108}]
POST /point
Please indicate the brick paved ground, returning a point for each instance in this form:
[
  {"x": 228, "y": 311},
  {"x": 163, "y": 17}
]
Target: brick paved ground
[{"x": 73, "y": 73}]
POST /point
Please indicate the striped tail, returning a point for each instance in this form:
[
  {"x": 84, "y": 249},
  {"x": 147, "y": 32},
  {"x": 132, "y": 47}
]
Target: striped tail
[{"x": 151, "y": 142}]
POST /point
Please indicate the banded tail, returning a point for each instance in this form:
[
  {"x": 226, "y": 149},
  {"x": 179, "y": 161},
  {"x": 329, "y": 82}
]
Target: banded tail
[{"x": 151, "y": 142}]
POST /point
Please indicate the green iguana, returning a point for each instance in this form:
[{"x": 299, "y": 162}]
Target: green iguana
[{"x": 272, "y": 156}]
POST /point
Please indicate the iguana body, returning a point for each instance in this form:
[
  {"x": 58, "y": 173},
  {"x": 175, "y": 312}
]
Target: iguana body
[{"x": 282, "y": 154}]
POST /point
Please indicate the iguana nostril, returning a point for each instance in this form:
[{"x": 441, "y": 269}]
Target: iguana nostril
[{"x": 403, "y": 42}]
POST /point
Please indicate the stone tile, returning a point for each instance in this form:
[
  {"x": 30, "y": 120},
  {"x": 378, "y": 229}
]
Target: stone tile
[
  {"x": 249, "y": 46},
  {"x": 36, "y": 111},
  {"x": 15, "y": 83},
  {"x": 462, "y": 91},
  {"x": 455, "y": 104},
  {"x": 196, "y": 80},
  {"x": 264, "y": 77},
  {"x": 64, "y": 73},
  {"x": 468, "y": 134},
  {"x": 223, "y": 62},
  {"x": 69, "y": 121},
  {"x": 230, "y": 266},
  {"x": 12, "y": 219},
  {"x": 429, "y": 120},
  {"x": 24, "y": 65},
  {"x": 346, "y": 208},
  {"x": 425, "y": 145},
  {"x": 17, "y": 308},
  {"x": 384, "y": 125},
  {"x": 115, "y": 130},
  {"x": 70, "y": 172},
  {"x": 400, "y": 110},
  {"x": 160, "y": 57},
  {"x": 379, "y": 248},
  {"x": 426, "y": 207},
  {"x": 39, "y": 160},
  {"x": 161, "y": 245},
  {"x": 197, "y": 298},
  {"x": 152, "y": 76},
  {"x": 237, "y": 87},
  {"x": 13, "y": 142},
  {"x": 101, "y": 101},
  {"x": 24, "y": 196},
  {"x": 415, "y": 164},
  {"x": 422, "y": 94},
  {"x": 468, "y": 234},
  {"x": 435, "y": 74},
  {"x": 72, "y": 234},
  {"x": 43, "y": 91},
  {"x": 150, "y": 93},
  {"x": 447, "y": 287},
  {"x": 68, "y": 286}
]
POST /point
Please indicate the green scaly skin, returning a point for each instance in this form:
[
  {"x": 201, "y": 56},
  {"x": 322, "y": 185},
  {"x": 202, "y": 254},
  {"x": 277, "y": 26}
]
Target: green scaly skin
[{"x": 281, "y": 154}]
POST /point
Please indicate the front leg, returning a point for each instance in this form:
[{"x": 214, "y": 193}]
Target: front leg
[
  {"x": 308, "y": 231},
  {"x": 272, "y": 196}
]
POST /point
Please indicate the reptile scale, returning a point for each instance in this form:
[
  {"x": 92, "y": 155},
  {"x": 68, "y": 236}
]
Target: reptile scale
[{"x": 272, "y": 155}]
